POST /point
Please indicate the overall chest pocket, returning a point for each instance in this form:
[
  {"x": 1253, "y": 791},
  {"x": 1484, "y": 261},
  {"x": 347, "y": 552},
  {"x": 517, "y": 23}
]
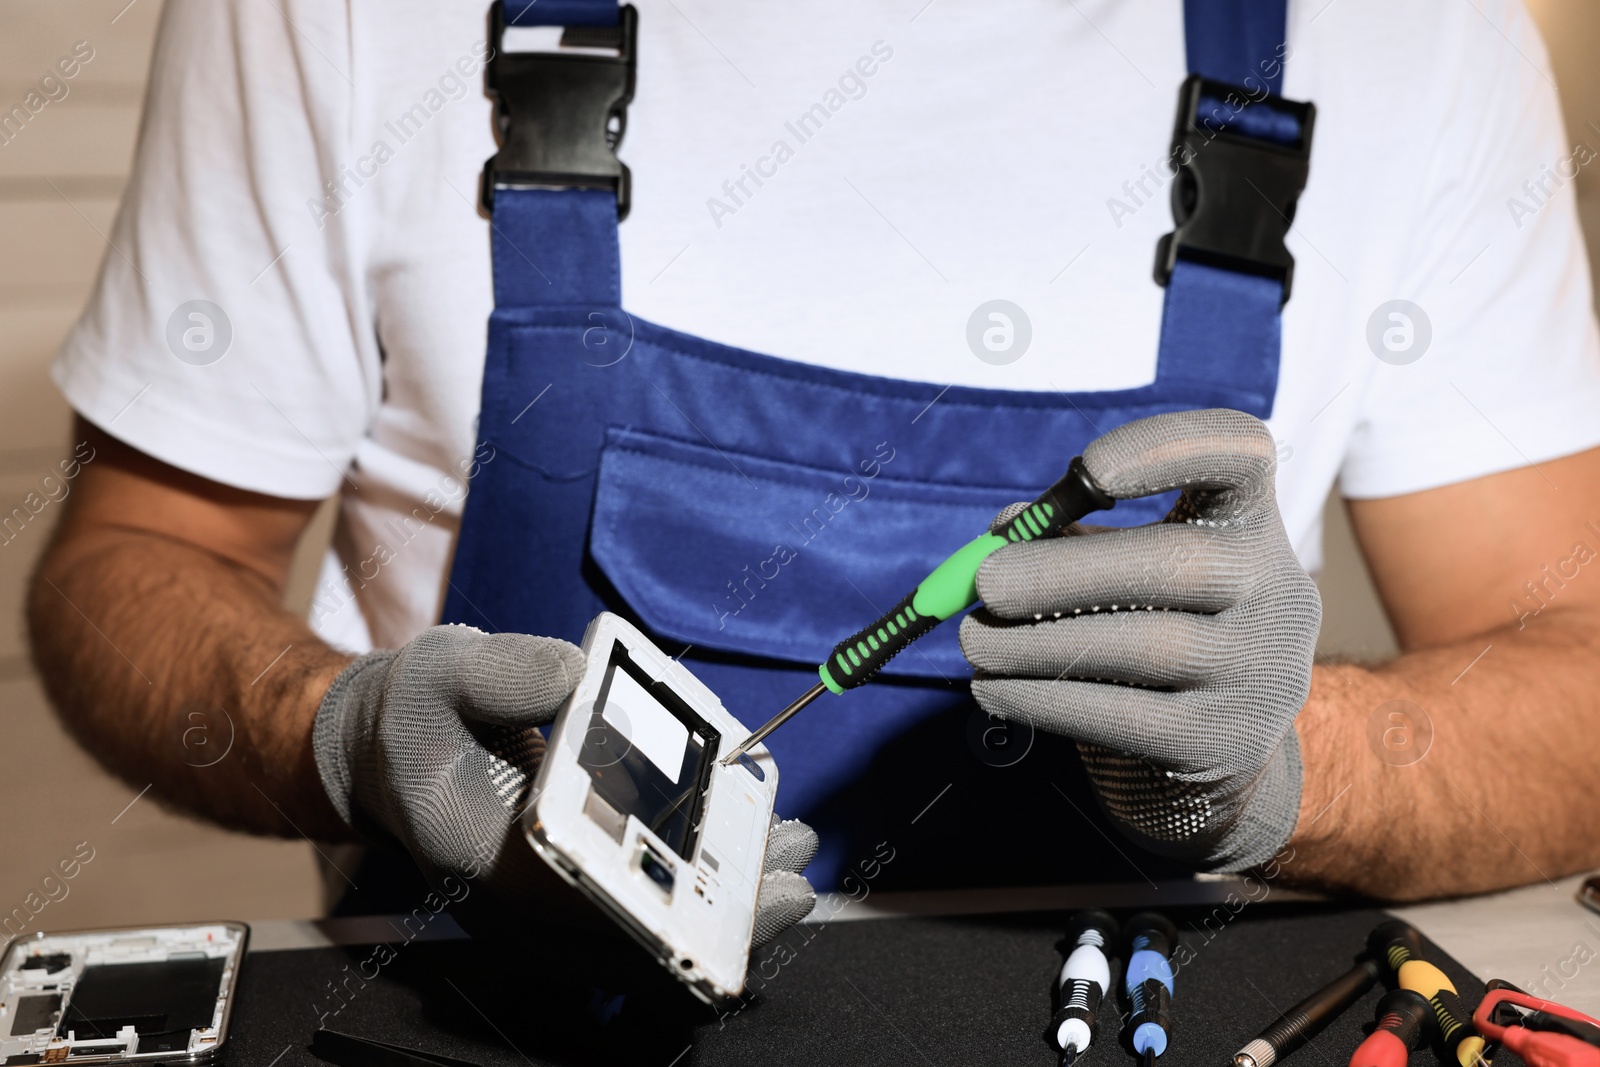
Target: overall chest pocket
[{"x": 772, "y": 559}]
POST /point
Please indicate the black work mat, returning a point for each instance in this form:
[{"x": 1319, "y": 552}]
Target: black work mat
[{"x": 950, "y": 991}]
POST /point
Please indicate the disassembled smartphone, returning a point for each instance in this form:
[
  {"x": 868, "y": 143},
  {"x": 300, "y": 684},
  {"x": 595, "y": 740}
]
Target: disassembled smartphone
[
  {"x": 633, "y": 808},
  {"x": 1589, "y": 893},
  {"x": 157, "y": 994}
]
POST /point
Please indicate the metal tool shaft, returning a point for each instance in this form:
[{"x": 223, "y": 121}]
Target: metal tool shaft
[{"x": 773, "y": 723}]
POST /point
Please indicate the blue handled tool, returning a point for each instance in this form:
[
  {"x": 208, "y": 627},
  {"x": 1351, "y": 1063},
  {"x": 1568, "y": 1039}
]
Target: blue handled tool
[{"x": 1148, "y": 983}]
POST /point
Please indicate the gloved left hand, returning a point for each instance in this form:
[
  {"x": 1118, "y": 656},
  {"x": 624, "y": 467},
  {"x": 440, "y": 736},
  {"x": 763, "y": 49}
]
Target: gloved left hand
[
  {"x": 434, "y": 746},
  {"x": 1177, "y": 654}
]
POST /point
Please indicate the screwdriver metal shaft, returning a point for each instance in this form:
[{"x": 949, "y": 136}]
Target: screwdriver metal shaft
[{"x": 761, "y": 732}]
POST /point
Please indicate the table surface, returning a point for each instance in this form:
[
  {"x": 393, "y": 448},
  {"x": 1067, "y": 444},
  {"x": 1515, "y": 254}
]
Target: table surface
[
  {"x": 952, "y": 982},
  {"x": 1538, "y": 937}
]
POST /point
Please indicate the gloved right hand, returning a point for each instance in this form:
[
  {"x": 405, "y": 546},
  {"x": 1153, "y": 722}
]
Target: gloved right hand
[
  {"x": 434, "y": 746},
  {"x": 1182, "y": 692}
]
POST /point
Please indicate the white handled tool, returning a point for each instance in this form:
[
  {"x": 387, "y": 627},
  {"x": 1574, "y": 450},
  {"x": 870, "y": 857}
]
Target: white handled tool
[{"x": 1085, "y": 978}]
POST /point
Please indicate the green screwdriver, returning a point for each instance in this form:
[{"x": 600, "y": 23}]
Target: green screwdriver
[{"x": 951, "y": 589}]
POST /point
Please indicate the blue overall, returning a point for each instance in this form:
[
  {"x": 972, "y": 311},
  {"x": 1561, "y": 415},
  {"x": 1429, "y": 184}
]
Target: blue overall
[{"x": 749, "y": 511}]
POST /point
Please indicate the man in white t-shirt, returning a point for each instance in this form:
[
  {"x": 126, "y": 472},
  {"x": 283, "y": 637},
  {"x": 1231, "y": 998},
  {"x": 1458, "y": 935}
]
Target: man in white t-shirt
[{"x": 295, "y": 300}]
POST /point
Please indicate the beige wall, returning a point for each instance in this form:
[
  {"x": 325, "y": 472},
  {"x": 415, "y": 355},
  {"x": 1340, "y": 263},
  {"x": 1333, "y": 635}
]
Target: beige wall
[
  {"x": 59, "y": 183},
  {"x": 1572, "y": 33},
  {"x": 1353, "y": 622}
]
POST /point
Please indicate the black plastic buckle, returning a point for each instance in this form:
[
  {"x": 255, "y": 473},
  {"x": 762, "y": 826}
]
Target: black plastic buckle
[
  {"x": 1235, "y": 195},
  {"x": 560, "y": 117}
]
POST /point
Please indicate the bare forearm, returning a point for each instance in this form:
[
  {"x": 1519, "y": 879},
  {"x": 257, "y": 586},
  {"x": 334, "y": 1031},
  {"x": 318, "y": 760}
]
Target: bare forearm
[
  {"x": 179, "y": 669},
  {"x": 1501, "y": 794}
]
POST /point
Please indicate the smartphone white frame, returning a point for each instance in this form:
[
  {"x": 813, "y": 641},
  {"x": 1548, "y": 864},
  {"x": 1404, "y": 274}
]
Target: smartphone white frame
[
  {"x": 700, "y": 927},
  {"x": 132, "y": 944}
]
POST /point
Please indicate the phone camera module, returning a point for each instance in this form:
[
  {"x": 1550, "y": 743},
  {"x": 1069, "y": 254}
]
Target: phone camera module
[{"x": 656, "y": 869}]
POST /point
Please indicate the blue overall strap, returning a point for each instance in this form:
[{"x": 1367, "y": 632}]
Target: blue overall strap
[
  {"x": 561, "y": 12},
  {"x": 1222, "y": 315},
  {"x": 1238, "y": 42},
  {"x": 555, "y": 235},
  {"x": 565, "y": 250}
]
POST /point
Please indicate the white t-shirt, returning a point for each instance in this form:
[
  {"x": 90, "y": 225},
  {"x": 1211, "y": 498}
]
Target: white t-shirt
[{"x": 310, "y": 168}]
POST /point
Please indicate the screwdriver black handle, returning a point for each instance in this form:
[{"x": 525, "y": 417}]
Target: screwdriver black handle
[
  {"x": 1151, "y": 938},
  {"x": 1399, "y": 945},
  {"x": 953, "y": 586},
  {"x": 1085, "y": 980},
  {"x": 1302, "y": 1022},
  {"x": 1402, "y": 1027},
  {"x": 1394, "y": 942},
  {"x": 861, "y": 655}
]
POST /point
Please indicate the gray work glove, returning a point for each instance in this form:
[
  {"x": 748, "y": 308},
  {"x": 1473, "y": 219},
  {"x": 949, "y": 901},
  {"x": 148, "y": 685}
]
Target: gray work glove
[
  {"x": 433, "y": 745},
  {"x": 785, "y": 896},
  {"x": 1177, "y": 654}
]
